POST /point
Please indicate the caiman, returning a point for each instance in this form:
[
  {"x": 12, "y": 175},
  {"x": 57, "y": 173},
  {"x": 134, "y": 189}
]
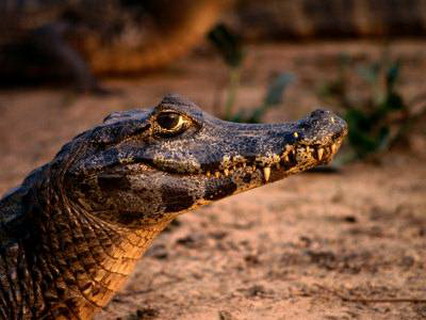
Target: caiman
[
  {"x": 86, "y": 38},
  {"x": 72, "y": 233}
]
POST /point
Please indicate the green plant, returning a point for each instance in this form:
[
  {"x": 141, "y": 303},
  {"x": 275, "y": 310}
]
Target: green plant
[
  {"x": 231, "y": 49},
  {"x": 383, "y": 117}
]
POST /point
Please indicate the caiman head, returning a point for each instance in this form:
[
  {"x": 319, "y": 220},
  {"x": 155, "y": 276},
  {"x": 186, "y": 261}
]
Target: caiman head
[{"x": 145, "y": 167}]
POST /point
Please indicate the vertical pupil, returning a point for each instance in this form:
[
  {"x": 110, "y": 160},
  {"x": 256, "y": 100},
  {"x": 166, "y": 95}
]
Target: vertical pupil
[{"x": 168, "y": 120}]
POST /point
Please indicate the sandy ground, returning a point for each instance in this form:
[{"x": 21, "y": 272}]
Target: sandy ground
[{"x": 350, "y": 245}]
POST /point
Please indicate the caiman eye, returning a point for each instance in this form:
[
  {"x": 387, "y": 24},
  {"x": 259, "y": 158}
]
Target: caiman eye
[{"x": 170, "y": 121}]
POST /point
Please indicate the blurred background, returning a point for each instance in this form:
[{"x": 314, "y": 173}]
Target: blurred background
[{"x": 347, "y": 241}]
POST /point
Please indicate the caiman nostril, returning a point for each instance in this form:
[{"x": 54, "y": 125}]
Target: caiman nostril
[
  {"x": 322, "y": 117},
  {"x": 321, "y": 114}
]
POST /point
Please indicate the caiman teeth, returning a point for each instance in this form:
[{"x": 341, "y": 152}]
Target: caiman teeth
[
  {"x": 267, "y": 173},
  {"x": 288, "y": 159},
  {"x": 320, "y": 153}
]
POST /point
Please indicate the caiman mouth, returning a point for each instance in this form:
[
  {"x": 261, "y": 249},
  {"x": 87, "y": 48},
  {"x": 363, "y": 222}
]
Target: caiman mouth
[
  {"x": 294, "y": 158},
  {"x": 290, "y": 158}
]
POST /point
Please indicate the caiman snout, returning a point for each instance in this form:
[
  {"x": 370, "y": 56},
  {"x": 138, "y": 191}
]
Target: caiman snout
[
  {"x": 322, "y": 126},
  {"x": 248, "y": 156}
]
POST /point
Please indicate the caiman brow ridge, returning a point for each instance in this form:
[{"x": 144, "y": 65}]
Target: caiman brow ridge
[{"x": 72, "y": 233}]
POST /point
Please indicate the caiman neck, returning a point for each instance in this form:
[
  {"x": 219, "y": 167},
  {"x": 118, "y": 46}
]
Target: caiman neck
[{"x": 81, "y": 259}]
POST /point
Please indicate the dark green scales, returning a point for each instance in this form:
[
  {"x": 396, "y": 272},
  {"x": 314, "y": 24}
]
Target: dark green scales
[{"x": 72, "y": 232}]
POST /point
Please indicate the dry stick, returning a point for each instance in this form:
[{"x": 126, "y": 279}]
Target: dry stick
[{"x": 368, "y": 300}]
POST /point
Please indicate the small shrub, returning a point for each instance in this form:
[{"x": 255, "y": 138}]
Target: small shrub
[
  {"x": 381, "y": 119},
  {"x": 230, "y": 47}
]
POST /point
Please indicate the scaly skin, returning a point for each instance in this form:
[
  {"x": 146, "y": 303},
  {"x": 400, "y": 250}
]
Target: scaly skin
[{"x": 72, "y": 232}]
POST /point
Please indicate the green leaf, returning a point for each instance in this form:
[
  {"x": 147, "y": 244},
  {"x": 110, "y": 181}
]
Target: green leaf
[
  {"x": 370, "y": 73},
  {"x": 228, "y": 43},
  {"x": 383, "y": 138},
  {"x": 240, "y": 117},
  {"x": 392, "y": 74},
  {"x": 393, "y": 102},
  {"x": 275, "y": 92}
]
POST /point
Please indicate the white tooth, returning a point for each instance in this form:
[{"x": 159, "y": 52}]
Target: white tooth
[
  {"x": 320, "y": 152},
  {"x": 244, "y": 164},
  {"x": 295, "y": 134},
  {"x": 267, "y": 173},
  {"x": 226, "y": 172},
  {"x": 333, "y": 148},
  {"x": 217, "y": 174}
]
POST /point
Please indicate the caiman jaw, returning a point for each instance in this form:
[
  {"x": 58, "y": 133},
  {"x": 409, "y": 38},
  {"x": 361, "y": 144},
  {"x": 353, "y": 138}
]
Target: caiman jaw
[{"x": 284, "y": 163}]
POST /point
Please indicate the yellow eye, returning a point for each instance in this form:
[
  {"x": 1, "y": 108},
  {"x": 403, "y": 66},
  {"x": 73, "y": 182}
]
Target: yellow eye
[{"x": 170, "y": 121}]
